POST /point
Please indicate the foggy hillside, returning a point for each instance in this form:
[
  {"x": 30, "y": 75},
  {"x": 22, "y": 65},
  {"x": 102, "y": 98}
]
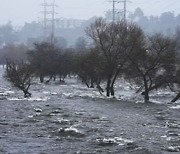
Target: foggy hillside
[{"x": 72, "y": 29}]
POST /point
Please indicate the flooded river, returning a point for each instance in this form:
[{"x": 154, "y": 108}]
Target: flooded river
[{"x": 69, "y": 119}]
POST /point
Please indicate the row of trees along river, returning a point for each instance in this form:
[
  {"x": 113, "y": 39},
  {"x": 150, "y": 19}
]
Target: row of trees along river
[{"x": 117, "y": 50}]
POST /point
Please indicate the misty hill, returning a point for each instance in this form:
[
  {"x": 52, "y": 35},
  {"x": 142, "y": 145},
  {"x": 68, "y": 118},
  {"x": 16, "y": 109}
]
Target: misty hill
[{"x": 68, "y": 32}]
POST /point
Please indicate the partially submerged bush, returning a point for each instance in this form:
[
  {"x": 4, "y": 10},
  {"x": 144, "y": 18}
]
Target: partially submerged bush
[{"x": 20, "y": 75}]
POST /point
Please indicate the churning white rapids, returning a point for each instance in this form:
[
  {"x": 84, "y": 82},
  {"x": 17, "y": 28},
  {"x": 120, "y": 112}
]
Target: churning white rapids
[{"x": 70, "y": 118}]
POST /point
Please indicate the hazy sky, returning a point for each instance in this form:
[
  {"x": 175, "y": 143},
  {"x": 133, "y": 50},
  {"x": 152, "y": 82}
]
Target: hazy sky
[{"x": 20, "y": 11}]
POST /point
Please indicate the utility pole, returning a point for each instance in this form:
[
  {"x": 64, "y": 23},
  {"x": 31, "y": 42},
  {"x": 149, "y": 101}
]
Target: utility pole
[{"x": 49, "y": 19}]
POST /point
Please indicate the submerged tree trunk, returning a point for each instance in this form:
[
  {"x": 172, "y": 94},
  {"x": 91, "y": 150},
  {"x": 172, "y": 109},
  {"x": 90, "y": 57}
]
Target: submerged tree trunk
[
  {"x": 113, "y": 82},
  {"x": 92, "y": 83},
  {"x": 108, "y": 87},
  {"x": 86, "y": 83},
  {"x": 116, "y": 75},
  {"x": 146, "y": 96},
  {"x": 50, "y": 78},
  {"x": 112, "y": 90},
  {"x": 100, "y": 89},
  {"x": 176, "y": 98},
  {"x": 27, "y": 94},
  {"x": 54, "y": 77},
  {"x": 41, "y": 77},
  {"x": 146, "y": 91}
]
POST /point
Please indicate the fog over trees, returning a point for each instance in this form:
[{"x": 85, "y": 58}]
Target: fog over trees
[
  {"x": 115, "y": 50},
  {"x": 66, "y": 35},
  {"x": 100, "y": 85},
  {"x": 144, "y": 50}
]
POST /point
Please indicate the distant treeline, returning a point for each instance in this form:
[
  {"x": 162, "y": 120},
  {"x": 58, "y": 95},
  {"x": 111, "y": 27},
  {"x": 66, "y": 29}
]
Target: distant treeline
[
  {"x": 166, "y": 23},
  {"x": 34, "y": 32}
]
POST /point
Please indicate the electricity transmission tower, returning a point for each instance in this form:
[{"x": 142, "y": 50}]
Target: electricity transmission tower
[
  {"x": 125, "y": 8},
  {"x": 115, "y": 11},
  {"x": 49, "y": 19}
]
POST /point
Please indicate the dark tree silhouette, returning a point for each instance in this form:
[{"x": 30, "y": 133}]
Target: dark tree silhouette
[
  {"x": 44, "y": 59},
  {"x": 20, "y": 75},
  {"x": 89, "y": 66},
  {"x": 152, "y": 66},
  {"x": 115, "y": 42}
]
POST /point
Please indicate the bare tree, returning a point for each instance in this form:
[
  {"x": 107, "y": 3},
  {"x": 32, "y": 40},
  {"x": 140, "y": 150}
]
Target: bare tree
[
  {"x": 152, "y": 66},
  {"x": 20, "y": 75},
  {"x": 176, "y": 81},
  {"x": 115, "y": 42},
  {"x": 44, "y": 59},
  {"x": 89, "y": 66},
  {"x": 64, "y": 65}
]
